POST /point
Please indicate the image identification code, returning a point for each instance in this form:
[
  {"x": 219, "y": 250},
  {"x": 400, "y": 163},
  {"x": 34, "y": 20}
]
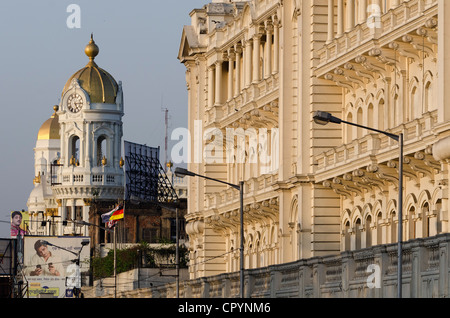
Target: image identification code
[{"x": 228, "y": 307}]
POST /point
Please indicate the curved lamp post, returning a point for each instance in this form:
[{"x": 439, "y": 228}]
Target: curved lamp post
[
  {"x": 323, "y": 118},
  {"x": 181, "y": 172}
]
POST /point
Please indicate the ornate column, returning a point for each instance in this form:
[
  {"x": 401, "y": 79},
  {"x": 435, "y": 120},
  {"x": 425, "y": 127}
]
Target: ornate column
[
  {"x": 350, "y": 15},
  {"x": 248, "y": 62},
  {"x": 256, "y": 57},
  {"x": 340, "y": 18},
  {"x": 211, "y": 86},
  {"x": 276, "y": 44},
  {"x": 231, "y": 58},
  {"x": 362, "y": 14},
  {"x": 237, "y": 83},
  {"x": 268, "y": 50},
  {"x": 330, "y": 35},
  {"x": 218, "y": 99}
]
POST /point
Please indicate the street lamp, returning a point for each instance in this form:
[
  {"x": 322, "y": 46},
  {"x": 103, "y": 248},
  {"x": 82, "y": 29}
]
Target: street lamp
[
  {"x": 323, "y": 118},
  {"x": 181, "y": 172}
]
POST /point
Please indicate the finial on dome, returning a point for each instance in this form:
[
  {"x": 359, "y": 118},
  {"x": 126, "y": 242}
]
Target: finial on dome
[{"x": 91, "y": 49}]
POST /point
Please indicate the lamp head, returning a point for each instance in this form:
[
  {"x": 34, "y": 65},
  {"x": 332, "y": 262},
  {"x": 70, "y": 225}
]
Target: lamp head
[
  {"x": 323, "y": 118},
  {"x": 181, "y": 172}
]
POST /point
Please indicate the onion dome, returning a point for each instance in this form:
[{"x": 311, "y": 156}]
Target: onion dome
[
  {"x": 50, "y": 128},
  {"x": 98, "y": 83}
]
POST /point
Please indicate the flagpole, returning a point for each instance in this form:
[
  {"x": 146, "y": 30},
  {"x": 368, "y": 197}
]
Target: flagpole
[{"x": 115, "y": 260}]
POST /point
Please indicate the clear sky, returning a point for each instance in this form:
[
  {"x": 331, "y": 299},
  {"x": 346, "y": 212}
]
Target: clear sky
[{"x": 138, "y": 41}]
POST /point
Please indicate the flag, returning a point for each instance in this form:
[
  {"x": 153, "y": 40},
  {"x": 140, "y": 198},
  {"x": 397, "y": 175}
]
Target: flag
[
  {"x": 111, "y": 224},
  {"x": 113, "y": 215}
]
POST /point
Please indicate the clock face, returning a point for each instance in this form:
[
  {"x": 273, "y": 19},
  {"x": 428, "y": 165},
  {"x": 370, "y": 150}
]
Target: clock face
[{"x": 75, "y": 103}]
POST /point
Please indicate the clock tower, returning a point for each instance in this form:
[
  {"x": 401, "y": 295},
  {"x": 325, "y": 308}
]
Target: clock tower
[{"x": 90, "y": 164}]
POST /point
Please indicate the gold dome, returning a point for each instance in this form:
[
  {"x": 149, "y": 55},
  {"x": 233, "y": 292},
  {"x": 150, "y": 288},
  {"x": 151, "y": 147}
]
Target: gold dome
[
  {"x": 98, "y": 83},
  {"x": 50, "y": 128}
]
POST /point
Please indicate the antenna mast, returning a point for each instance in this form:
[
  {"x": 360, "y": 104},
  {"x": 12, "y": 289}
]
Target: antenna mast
[{"x": 166, "y": 121}]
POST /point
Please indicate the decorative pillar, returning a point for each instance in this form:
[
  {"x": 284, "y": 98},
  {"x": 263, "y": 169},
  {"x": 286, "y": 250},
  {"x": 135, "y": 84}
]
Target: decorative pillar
[
  {"x": 211, "y": 86},
  {"x": 256, "y": 57},
  {"x": 268, "y": 50},
  {"x": 330, "y": 21},
  {"x": 340, "y": 18},
  {"x": 350, "y": 15},
  {"x": 231, "y": 57},
  {"x": 248, "y": 62},
  {"x": 362, "y": 11},
  {"x": 238, "y": 52},
  {"x": 276, "y": 44},
  {"x": 218, "y": 99}
]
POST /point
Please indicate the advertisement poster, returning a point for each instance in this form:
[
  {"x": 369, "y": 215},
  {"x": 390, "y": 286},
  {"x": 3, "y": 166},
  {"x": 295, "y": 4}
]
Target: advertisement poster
[
  {"x": 19, "y": 223},
  {"x": 53, "y": 265}
]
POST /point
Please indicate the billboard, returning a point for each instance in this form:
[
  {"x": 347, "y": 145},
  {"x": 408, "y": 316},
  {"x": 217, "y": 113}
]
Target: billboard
[
  {"x": 7, "y": 257},
  {"x": 53, "y": 265},
  {"x": 19, "y": 223},
  {"x": 146, "y": 179}
]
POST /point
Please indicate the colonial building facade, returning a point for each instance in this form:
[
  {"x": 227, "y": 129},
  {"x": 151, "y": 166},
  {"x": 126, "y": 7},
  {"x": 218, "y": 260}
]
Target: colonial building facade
[{"x": 257, "y": 71}]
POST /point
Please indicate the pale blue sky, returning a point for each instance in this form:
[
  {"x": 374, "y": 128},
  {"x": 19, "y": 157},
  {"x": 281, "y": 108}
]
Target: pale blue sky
[{"x": 138, "y": 41}]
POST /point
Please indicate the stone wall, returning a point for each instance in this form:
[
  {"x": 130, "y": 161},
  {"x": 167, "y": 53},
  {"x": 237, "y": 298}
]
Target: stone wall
[{"x": 366, "y": 273}]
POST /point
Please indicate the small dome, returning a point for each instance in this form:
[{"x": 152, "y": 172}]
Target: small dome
[
  {"x": 98, "y": 83},
  {"x": 50, "y": 128}
]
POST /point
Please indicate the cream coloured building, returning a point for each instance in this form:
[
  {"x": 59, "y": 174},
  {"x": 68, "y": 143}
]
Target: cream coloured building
[{"x": 257, "y": 71}]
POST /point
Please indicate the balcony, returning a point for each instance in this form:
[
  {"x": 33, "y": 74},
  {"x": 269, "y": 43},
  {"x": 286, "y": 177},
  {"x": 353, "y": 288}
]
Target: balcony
[
  {"x": 400, "y": 28},
  {"x": 361, "y": 153}
]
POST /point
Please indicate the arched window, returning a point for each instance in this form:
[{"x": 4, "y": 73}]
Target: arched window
[
  {"x": 393, "y": 228},
  {"x": 379, "y": 230},
  {"x": 349, "y": 128},
  {"x": 396, "y": 120},
  {"x": 359, "y": 120},
  {"x": 74, "y": 151},
  {"x": 412, "y": 223},
  {"x": 370, "y": 113},
  {"x": 347, "y": 236},
  {"x": 381, "y": 118},
  {"x": 428, "y": 99},
  {"x": 368, "y": 231},
  {"x": 101, "y": 149},
  {"x": 358, "y": 234},
  {"x": 425, "y": 219},
  {"x": 416, "y": 106}
]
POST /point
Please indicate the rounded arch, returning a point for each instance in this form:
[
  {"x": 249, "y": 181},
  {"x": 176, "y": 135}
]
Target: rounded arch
[
  {"x": 410, "y": 201},
  {"x": 424, "y": 196},
  {"x": 368, "y": 224},
  {"x": 395, "y": 114},
  {"x": 415, "y": 98},
  {"x": 356, "y": 214},
  {"x": 436, "y": 196},
  {"x": 380, "y": 94},
  {"x": 74, "y": 148},
  {"x": 367, "y": 210},
  {"x": 360, "y": 121},
  {"x": 370, "y": 115},
  {"x": 294, "y": 209},
  {"x": 102, "y": 149},
  {"x": 429, "y": 102},
  {"x": 377, "y": 208},
  {"x": 348, "y": 129},
  {"x": 345, "y": 216},
  {"x": 381, "y": 117},
  {"x": 391, "y": 206}
]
